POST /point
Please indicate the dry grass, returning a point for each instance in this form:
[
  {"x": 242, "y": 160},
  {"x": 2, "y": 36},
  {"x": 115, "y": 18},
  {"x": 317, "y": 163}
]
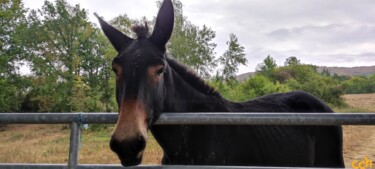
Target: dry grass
[
  {"x": 34, "y": 143},
  {"x": 358, "y": 143},
  {"x": 50, "y": 143},
  {"x": 95, "y": 149},
  {"x": 361, "y": 101},
  {"x": 358, "y": 140}
]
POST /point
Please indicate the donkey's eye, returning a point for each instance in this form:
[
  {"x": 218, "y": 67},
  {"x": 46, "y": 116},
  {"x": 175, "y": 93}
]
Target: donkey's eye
[
  {"x": 160, "y": 71},
  {"x": 114, "y": 70}
]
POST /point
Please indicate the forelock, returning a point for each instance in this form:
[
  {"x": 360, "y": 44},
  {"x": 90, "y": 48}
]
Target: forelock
[{"x": 141, "y": 30}]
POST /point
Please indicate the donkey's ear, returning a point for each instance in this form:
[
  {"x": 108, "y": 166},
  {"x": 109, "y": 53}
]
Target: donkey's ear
[
  {"x": 164, "y": 25},
  {"x": 117, "y": 38}
]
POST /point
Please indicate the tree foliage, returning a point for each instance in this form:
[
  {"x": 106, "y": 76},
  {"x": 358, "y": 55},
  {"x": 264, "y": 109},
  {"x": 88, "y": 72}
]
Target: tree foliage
[
  {"x": 233, "y": 57},
  {"x": 253, "y": 87},
  {"x": 70, "y": 62},
  {"x": 268, "y": 65},
  {"x": 292, "y": 61},
  {"x": 360, "y": 84},
  {"x": 12, "y": 30},
  {"x": 192, "y": 45},
  {"x": 68, "y": 59}
]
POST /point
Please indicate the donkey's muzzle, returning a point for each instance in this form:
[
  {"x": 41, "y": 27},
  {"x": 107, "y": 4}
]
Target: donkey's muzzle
[{"x": 130, "y": 152}]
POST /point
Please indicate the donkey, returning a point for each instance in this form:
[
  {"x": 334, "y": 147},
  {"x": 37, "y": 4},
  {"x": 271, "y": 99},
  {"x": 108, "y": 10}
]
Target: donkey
[{"x": 148, "y": 83}]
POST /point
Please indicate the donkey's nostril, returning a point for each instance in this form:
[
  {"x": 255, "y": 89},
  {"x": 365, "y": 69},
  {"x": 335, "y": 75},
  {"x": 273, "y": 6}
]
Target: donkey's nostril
[
  {"x": 129, "y": 151},
  {"x": 114, "y": 144},
  {"x": 129, "y": 146},
  {"x": 141, "y": 144},
  {"x": 140, "y": 138}
]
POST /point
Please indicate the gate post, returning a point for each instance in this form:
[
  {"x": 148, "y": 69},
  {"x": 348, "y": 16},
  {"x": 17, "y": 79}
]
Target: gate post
[{"x": 75, "y": 135}]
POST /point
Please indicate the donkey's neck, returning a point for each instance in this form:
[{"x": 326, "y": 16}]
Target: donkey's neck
[{"x": 186, "y": 92}]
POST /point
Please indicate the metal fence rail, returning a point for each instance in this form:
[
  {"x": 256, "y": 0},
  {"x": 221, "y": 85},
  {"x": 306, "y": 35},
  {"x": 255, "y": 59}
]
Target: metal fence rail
[
  {"x": 111, "y": 166},
  {"x": 198, "y": 118},
  {"x": 76, "y": 119}
]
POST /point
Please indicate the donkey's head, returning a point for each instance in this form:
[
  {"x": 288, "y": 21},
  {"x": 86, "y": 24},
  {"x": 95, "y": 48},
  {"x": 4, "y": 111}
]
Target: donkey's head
[{"x": 139, "y": 67}]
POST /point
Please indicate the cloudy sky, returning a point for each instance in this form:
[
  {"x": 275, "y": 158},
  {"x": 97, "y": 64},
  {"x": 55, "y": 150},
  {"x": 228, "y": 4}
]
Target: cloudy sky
[{"x": 320, "y": 32}]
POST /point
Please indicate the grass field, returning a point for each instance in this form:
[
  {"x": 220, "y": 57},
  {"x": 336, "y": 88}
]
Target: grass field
[
  {"x": 50, "y": 143},
  {"x": 366, "y": 102},
  {"x": 359, "y": 141}
]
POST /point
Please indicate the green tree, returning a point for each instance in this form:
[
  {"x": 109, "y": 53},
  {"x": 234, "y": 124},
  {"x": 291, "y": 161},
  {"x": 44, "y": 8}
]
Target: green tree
[
  {"x": 299, "y": 72},
  {"x": 233, "y": 57},
  {"x": 306, "y": 77},
  {"x": 12, "y": 29},
  {"x": 298, "y": 76},
  {"x": 360, "y": 84},
  {"x": 267, "y": 67},
  {"x": 122, "y": 23},
  {"x": 324, "y": 87},
  {"x": 12, "y": 54},
  {"x": 234, "y": 91},
  {"x": 261, "y": 85},
  {"x": 106, "y": 78},
  {"x": 191, "y": 44},
  {"x": 325, "y": 72},
  {"x": 340, "y": 78},
  {"x": 292, "y": 61},
  {"x": 67, "y": 55}
]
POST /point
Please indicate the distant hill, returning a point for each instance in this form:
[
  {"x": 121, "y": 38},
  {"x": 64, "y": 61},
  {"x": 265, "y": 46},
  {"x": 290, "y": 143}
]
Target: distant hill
[
  {"x": 350, "y": 71},
  {"x": 342, "y": 71},
  {"x": 245, "y": 76}
]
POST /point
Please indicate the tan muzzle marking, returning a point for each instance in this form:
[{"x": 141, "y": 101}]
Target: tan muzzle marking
[{"x": 131, "y": 121}]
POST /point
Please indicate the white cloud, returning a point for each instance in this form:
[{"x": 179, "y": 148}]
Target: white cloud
[{"x": 321, "y": 32}]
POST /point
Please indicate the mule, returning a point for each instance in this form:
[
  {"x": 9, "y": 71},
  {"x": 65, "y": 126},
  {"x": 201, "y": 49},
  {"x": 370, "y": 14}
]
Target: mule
[{"x": 148, "y": 83}]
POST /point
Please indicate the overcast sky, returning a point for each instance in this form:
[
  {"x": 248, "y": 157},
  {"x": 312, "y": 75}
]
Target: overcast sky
[{"x": 319, "y": 32}]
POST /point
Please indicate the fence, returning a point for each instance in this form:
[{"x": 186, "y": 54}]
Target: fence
[{"x": 76, "y": 119}]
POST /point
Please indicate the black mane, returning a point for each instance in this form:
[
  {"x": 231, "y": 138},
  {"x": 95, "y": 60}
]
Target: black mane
[
  {"x": 141, "y": 30},
  {"x": 192, "y": 78}
]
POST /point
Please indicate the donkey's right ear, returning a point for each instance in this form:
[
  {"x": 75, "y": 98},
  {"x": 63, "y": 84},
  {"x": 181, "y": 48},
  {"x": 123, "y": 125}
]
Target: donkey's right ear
[
  {"x": 164, "y": 25},
  {"x": 117, "y": 38}
]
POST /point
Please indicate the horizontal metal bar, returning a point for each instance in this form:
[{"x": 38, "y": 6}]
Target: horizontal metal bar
[
  {"x": 32, "y": 166},
  {"x": 57, "y": 118},
  {"x": 64, "y": 166},
  {"x": 267, "y": 118},
  {"x": 202, "y": 118},
  {"x": 111, "y": 166}
]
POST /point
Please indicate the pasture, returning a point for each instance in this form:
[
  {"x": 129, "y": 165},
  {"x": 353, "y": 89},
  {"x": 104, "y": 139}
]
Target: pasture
[{"x": 50, "y": 143}]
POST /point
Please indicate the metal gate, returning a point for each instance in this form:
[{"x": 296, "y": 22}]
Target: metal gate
[{"x": 77, "y": 119}]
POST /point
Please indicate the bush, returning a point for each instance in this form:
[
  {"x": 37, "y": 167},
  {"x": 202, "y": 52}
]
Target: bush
[
  {"x": 256, "y": 86},
  {"x": 284, "y": 79},
  {"x": 260, "y": 85},
  {"x": 360, "y": 84},
  {"x": 325, "y": 88}
]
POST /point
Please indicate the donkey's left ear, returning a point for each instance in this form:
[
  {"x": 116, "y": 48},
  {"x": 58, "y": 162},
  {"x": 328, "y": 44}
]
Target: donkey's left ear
[{"x": 164, "y": 25}]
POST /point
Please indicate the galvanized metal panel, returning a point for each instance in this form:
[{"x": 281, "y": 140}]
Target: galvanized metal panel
[
  {"x": 75, "y": 136},
  {"x": 57, "y": 118},
  {"x": 31, "y": 166},
  {"x": 217, "y": 118},
  {"x": 267, "y": 118},
  {"x": 111, "y": 166},
  {"x": 203, "y": 118}
]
